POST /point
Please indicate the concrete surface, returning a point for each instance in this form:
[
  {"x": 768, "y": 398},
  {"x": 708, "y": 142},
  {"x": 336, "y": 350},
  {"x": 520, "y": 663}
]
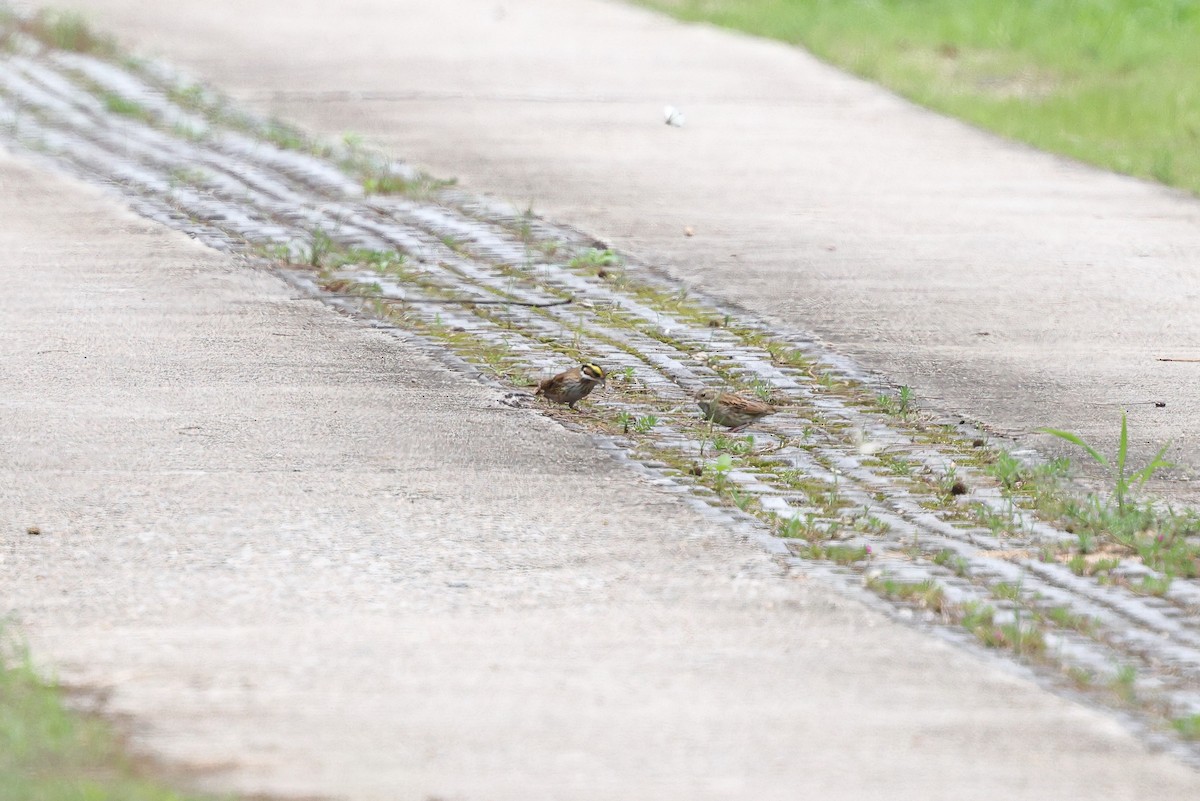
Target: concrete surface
[
  {"x": 308, "y": 559},
  {"x": 1013, "y": 287}
]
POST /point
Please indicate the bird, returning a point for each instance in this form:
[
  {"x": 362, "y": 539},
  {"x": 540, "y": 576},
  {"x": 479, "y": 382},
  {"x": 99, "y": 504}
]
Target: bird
[
  {"x": 731, "y": 410},
  {"x": 572, "y": 386}
]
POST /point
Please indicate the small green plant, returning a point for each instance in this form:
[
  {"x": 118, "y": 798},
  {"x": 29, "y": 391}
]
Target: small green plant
[
  {"x": 762, "y": 389},
  {"x": 720, "y": 468},
  {"x": 1188, "y": 726},
  {"x": 381, "y": 176},
  {"x": 1152, "y": 585},
  {"x": 1023, "y": 640},
  {"x": 926, "y": 594},
  {"x": 1124, "y": 684},
  {"x": 1053, "y": 470},
  {"x": 1123, "y": 479},
  {"x": 595, "y": 260},
  {"x": 452, "y": 242},
  {"x": 1064, "y": 618},
  {"x": 645, "y": 423},
  {"x": 977, "y": 615},
  {"x": 1082, "y": 566},
  {"x": 1082, "y": 677},
  {"x": 119, "y": 104},
  {"x": 960, "y": 565},
  {"x": 67, "y": 30},
  {"x": 950, "y": 486},
  {"x": 192, "y": 134},
  {"x": 284, "y": 136},
  {"x": 1000, "y": 523},
  {"x": 840, "y": 554},
  {"x": 868, "y": 523},
  {"x": 1006, "y": 469},
  {"x": 494, "y": 357},
  {"x": 1170, "y": 551},
  {"x": 741, "y": 500},
  {"x": 735, "y": 445},
  {"x": 191, "y": 97},
  {"x": 1086, "y": 539},
  {"x": 320, "y": 245},
  {"x": 898, "y": 405},
  {"x": 1007, "y": 590},
  {"x": 189, "y": 176},
  {"x": 276, "y": 251},
  {"x": 624, "y": 420},
  {"x": 796, "y": 527}
]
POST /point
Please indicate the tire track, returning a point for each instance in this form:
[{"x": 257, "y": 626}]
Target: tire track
[{"x": 834, "y": 474}]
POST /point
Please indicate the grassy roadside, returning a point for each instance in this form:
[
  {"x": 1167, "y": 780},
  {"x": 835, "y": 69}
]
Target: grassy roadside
[
  {"x": 1110, "y": 82},
  {"x": 48, "y": 753}
]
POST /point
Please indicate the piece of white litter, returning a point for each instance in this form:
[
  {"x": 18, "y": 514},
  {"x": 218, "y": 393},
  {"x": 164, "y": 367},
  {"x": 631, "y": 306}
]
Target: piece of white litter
[
  {"x": 865, "y": 446},
  {"x": 674, "y": 116}
]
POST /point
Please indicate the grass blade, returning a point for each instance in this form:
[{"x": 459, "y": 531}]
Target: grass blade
[
  {"x": 1122, "y": 448},
  {"x": 1156, "y": 464},
  {"x": 1075, "y": 439}
]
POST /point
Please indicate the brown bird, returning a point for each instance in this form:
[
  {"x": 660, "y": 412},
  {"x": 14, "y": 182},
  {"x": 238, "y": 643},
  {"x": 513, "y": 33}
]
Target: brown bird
[
  {"x": 572, "y": 386},
  {"x": 728, "y": 409}
]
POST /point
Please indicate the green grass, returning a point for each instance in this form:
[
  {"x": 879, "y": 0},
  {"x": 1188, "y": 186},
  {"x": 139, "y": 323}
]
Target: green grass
[
  {"x": 840, "y": 554},
  {"x": 125, "y": 107},
  {"x": 1188, "y": 727},
  {"x": 48, "y": 753},
  {"x": 67, "y": 30},
  {"x": 925, "y": 594},
  {"x": 1111, "y": 82}
]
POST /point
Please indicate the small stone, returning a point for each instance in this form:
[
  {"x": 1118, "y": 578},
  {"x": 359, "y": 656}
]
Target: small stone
[{"x": 33, "y": 531}]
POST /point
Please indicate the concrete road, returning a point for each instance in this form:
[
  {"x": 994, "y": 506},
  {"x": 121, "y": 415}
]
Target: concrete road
[
  {"x": 304, "y": 557},
  {"x": 1012, "y": 287},
  {"x": 308, "y": 558}
]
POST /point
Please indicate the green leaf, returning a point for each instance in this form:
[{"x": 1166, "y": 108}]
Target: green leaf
[
  {"x": 1122, "y": 447},
  {"x": 1156, "y": 464},
  {"x": 1075, "y": 439}
]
